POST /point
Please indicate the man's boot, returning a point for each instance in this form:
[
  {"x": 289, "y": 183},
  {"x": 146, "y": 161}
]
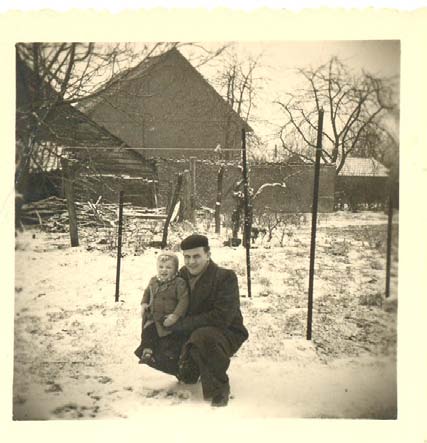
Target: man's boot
[{"x": 221, "y": 398}]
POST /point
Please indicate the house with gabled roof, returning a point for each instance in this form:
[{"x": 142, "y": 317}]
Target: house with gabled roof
[{"x": 166, "y": 108}]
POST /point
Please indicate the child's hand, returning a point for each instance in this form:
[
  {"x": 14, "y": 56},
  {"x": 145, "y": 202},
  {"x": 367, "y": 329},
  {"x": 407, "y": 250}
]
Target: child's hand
[{"x": 170, "y": 320}]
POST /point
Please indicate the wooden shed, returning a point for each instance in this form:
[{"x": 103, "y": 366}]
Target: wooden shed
[
  {"x": 104, "y": 163},
  {"x": 362, "y": 182}
]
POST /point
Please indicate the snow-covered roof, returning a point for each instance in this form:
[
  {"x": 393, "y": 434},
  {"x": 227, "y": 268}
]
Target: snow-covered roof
[{"x": 363, "y": 167}]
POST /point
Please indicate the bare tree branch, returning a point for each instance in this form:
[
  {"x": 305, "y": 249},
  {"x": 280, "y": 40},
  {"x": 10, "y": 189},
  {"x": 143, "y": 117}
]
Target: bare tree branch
[{"x": 352, "y": 104}]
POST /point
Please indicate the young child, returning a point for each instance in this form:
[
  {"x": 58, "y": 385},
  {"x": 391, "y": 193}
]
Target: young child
[{"x": 165, "y": 300}]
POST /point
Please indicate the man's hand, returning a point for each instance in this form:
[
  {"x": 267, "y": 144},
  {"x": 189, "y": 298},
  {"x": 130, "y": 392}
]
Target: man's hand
[
  {"x": 178, "y": 326},
  {"x": 170, "y": 320},
  {"x": 144, "y": 307}
]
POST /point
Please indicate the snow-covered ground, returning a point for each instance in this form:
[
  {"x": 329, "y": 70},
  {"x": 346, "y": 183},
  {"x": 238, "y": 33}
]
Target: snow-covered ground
[{"x": 74, "y": 344}]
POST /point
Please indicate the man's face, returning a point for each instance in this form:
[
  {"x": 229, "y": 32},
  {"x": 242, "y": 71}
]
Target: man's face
[{"x": 196, "y": 259}]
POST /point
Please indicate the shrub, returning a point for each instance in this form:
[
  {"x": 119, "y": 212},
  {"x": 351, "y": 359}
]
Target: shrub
[
  {"x": 371, "y": 300},
  {"x": 377, "y": 265},
  {"x": 294, "y": 324},
  {"x": 338, "y": 247},
  {"x": 264, "y": 281}
]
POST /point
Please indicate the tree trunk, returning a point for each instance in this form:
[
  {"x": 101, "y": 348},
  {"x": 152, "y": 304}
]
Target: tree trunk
[
  {"x": 235, "y": 220},
  {"x": 19, "y": 201},
  {"x": 247, "y": 227},
  {"x": 69, "y": 194}
]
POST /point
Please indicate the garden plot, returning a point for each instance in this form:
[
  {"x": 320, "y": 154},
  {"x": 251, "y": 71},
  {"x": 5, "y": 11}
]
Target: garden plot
[{"x": 74, "y": 345}]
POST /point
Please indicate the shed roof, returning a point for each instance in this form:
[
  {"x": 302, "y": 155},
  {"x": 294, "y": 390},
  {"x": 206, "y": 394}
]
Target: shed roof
[
  {"x": 363, "y": 167},
  {"x": 63, "y": 124}
]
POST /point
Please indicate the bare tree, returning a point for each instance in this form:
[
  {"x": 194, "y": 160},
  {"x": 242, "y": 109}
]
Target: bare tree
[
  {"x": 239, "y": 84},
  {"x": 354, "y": 107},
  {"x": 53, "y": 75}
]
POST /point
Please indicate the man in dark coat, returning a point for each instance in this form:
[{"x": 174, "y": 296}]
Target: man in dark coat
[{"x": 211, "y": 332}]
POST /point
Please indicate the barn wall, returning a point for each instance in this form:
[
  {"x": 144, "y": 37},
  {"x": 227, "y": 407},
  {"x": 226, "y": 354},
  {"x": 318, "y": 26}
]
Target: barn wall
[
  {"x": 362, "y": 190},
  {"x": 298, "y": 194},
  {"x": 297, "y": 197},
  {"x": 103, "y": 172},
  {"x": 169, "y": 107}
]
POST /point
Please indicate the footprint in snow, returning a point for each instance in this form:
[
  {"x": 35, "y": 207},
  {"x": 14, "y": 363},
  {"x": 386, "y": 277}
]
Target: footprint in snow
[
  {"x": 73, "y": 411},
  {"x": 53, "y": 387},
  {"x": 104, "y": 379},
  {"x": 152, "y": 393},
  {"x": 175, "y": 396}
]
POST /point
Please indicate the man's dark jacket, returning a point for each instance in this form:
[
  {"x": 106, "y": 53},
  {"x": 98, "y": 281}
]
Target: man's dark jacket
[{"x": 214, "y": 301}]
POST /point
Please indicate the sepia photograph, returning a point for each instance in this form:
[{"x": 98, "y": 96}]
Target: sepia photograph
[{"x": 206, "y": 226}]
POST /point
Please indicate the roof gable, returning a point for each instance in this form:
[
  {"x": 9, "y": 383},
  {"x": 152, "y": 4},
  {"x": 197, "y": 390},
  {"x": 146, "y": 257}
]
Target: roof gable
[
  {"x": 140, "y": 71},
  {"x": 215, "y": 92}
]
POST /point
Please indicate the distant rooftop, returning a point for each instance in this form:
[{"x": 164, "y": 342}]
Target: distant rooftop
[{"x": 363, "y": 167}]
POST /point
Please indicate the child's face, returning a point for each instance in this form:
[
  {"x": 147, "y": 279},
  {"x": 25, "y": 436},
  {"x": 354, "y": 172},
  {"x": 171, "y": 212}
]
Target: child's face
[{"x": 165, "y": 269}]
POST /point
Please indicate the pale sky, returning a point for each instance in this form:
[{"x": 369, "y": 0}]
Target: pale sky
[{"x": 280, "y": 58}]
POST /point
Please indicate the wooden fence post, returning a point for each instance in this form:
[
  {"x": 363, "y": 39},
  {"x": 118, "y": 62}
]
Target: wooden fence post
[
  {"x": 170, "y": 196},
  {"x": 186, "y": 210},
  {"x": 69, "y": 175},
  {"x": 219, "y": 199},
  {"x": 170, "y": 211},
  {"x": 193, "y": 181},
  {"x": 156, "y": 200}
]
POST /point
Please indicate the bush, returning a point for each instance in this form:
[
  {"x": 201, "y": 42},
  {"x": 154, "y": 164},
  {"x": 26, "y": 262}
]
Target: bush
[
  {"x": 294, "y": 324},
  {"x": 338, "y": 247},
  {"x": 264, "y": 281},
  {"x": 377, "y": 265},
  {"x": 371, "y": 300}
]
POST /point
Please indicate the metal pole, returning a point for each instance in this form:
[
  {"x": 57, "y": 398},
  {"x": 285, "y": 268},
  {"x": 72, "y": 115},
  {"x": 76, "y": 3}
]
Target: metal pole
[
  {"x": 247, "y": 212},
  {"x": 314, "y": 223},
  {"x": 119, "y": 245},
  {"x": 389, "y": 238}
]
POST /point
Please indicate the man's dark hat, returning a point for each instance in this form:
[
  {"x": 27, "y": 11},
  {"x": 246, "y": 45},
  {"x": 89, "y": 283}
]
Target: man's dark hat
[{"x": 194, "y": 241}]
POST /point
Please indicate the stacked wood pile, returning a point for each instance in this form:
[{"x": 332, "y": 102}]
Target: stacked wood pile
[{"x": 52, "y": 214}]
